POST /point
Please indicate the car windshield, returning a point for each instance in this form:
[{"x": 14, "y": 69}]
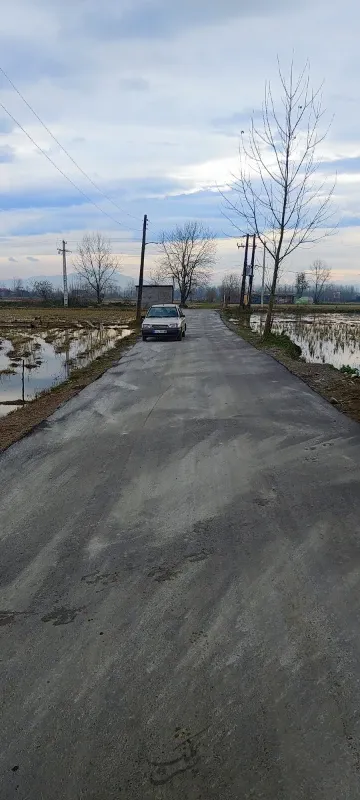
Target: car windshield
[{"x": 162, "y": 311}]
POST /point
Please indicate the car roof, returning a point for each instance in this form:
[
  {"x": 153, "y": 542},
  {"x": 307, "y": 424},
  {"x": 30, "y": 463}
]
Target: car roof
[{"x": 165, "y": 305}]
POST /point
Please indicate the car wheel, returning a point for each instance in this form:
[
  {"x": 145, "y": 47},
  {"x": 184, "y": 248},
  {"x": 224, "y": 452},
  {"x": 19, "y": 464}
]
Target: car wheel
[
  {"x": 179, "y": 337},
  {"x": 183, "y": 333}
]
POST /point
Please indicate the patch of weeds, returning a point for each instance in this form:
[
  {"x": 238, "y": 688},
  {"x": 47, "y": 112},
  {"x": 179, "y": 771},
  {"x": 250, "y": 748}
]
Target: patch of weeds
[
  {"x": 50, "y": 338},
  {"x": 346, "y": 369},
  {"x": 283, "y": 341},
  {"x": 279, "y": 341}
]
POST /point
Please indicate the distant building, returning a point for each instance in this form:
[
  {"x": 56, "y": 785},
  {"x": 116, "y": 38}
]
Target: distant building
[
  {"x": 305, "y": 300},
  {"x": 156, "y": 293},
  {"x": 280, "y": 299}
]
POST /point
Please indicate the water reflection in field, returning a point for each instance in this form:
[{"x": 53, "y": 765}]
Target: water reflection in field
[
  {"x": 323, "y": 338},
  {"x": 49, "y": 357}
]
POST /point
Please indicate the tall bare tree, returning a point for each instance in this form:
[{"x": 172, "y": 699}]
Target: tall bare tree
[
  {"x": 276, "y": 194},
  {"x": 320, "y": 277},
  {"x": 95, "y": 264},
  {"x": 188, "y": 254}
]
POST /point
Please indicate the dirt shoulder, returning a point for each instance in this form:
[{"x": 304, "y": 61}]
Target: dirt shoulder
[
  {"x": 343, "y": 391},
  {"x": 19, "y": 423}
]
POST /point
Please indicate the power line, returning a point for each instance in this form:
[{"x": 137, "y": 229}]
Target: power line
[
  {"x": 110, "y": 239},
  {"x": 60, "y": 170},
  {"x": 64, "y": 149}
]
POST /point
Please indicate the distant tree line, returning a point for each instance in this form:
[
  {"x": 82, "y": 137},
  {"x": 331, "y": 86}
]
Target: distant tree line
[
  {"x": 187, "y": 255},
  {"x": 80, "y": 294}
]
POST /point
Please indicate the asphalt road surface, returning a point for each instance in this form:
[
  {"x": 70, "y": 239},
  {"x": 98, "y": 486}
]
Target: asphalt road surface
[{"x": 180, "y": 585}]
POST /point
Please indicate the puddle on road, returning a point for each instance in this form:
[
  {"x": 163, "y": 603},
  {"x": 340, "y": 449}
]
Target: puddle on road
[
  {"x": 323, "y": 338},
  {"x": 49, "y": 358}
]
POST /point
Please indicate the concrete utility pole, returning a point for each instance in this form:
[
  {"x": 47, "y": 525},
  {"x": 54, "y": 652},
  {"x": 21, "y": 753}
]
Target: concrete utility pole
[
  {"x": 141, "y": 274},
  {"x": 263, "y": 277},
  {"x": 62, "y": 250},
  {"x": 242, "y": 292},
  {"x": 252, "y": 270}
]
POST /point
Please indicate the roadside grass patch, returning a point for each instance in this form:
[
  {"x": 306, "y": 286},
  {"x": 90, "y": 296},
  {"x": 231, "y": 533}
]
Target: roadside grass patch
[
  {"x": 331, "y": 383},
  {"x": 240, "y": 323},
  {"x": 351, "y": 371}
]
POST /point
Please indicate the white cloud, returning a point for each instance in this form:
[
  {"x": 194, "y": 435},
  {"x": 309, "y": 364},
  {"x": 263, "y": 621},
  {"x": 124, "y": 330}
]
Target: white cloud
[{"x": 140, "y": 110}]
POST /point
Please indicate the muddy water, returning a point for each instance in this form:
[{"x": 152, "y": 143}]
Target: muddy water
[
  {"x": 49, "y": 358},
  {"x": 323, "y": 338}
]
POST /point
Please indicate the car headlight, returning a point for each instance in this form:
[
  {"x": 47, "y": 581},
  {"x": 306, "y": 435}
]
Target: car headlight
[
  {"x": 174, "y": 325},
  {"x": 146, "y": 325}
]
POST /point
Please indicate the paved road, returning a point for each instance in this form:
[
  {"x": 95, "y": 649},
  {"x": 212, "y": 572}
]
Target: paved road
[{"x": 180, "y": 586}]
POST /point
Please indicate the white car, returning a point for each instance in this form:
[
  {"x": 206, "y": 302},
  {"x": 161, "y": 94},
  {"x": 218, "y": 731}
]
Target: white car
[{"x": 164, "y": 320}]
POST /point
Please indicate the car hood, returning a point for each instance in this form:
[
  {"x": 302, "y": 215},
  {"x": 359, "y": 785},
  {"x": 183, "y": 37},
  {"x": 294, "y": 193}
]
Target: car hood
[{"x": 160, "y": 321}]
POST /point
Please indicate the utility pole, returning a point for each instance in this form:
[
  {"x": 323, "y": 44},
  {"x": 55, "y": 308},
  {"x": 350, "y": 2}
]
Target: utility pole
[
  {"x": 242, "y": 292},
  {"x": 62, "y": 251},
  {"x": 252, "y": 270},
  {"x": 141, "y": 274},
  {"x": 263, "y": 277}
]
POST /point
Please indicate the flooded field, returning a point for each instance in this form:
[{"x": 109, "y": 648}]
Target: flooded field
[
  {"x": 32, "y": 361},
  {"x": 325, "y": 339}
]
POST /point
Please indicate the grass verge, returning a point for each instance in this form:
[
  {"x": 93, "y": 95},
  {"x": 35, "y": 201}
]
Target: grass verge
[
  {"x": 305, "y": 310},
  {"x": 341, "y": 389},
  {"x": 19, "y": 423}
]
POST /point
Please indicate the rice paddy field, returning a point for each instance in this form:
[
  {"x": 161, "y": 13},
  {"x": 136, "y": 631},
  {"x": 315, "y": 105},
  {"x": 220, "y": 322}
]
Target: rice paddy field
[{"x": 40, "y": 348}]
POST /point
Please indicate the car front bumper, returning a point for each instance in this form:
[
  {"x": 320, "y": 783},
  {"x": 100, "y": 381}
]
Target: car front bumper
[{"x": 158, "y": 331}]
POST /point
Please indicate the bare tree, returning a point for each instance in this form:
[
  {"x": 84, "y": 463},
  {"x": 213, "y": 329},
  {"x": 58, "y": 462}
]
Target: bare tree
[
  {"x": 129, "y": 291},
  {"x": 156, "y": 276},
  {"x": 230, "y": 288},
  {"x": 211, "y": 294},
  {"x": 321, "y": 276},
  {"x": 43, "y": 289},
  {"x": 18, "y": 286},
  {"x": 188, "y": 255},
  {"x": 301, "y": 284},
  {"x": 95, "y": 264},
  {"x": 277, "y": 196}
]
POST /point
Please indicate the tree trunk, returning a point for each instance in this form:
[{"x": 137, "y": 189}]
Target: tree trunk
[
  {"x": 183, "y": 295},
  {"x": 269, "y": 316}
]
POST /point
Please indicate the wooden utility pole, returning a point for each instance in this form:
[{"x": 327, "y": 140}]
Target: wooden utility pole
[
  {"x": 242, "y": 292},
  {"x": 141, "y": 274},
  {"x": 62, "y": 250},
  {"x": 252, "y": 270}
]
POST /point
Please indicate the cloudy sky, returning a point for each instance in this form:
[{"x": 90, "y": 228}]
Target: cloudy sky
[{"x": 149, "y": 98}]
